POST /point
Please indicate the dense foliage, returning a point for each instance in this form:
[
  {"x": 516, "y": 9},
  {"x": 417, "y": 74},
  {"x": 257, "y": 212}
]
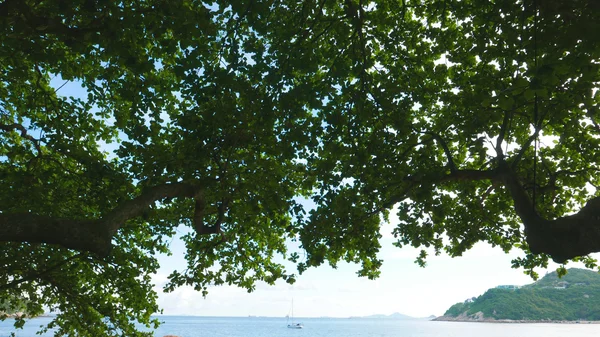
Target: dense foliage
[
  {"x": 12, "y": 305},
  {"x": 223, "y": 115},
  {"x": 576, "y": 296}
]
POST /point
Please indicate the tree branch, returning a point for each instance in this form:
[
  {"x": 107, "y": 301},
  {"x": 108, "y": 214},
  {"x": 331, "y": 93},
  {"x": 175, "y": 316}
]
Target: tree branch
[
  {"x": 92, "y": 235},
  {"x": 563, "y": 238},
  {"x": 135, "y": 207},
  {"x": 80, "y": 235},
  {"x": 457, "y": 175},
  {"x": 524, "y": 148},
  {"x": 570, "y": 236},
  {"x": 444, "y": 146},
  {"x": 501, "y": 136},
  {"x": 24, "y": 134},
  {"x": 471, "y": 175},
  {"x": 523, "y": 205}
]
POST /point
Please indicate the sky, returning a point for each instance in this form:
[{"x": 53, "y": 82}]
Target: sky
[{"x": 402, "y": 287}]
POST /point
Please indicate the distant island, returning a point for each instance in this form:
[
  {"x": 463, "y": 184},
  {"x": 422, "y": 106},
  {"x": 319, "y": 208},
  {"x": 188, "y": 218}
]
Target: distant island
[
  {"x": 573, "y": 298},
  {"x": 395, "y": 315}
]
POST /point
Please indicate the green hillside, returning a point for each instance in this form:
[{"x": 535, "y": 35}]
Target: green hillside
[
  {"x": 573, "y": 276},
  {"x": 575, "y": 296}
]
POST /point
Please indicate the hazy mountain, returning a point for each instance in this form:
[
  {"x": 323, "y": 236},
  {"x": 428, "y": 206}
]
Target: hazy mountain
[{"x": 395, "y": 315}]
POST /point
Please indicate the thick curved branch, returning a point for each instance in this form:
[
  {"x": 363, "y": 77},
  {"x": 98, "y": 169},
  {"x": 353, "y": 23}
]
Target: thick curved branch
[
  {"x": 444, "y": 146},
  {"x": 519, "y": 156},
  {"x": 137, "y": 206},
  {"x": 563, "y": 238},
  {"x": 501, "y": 135},
  {"x": 23, "y": 132},
  {"x": 471, "y": 175},
  {"x": 540, "y": 126},
  {"x": 80, "y": 235},
  {"x": 92, "y": 235},
  {"x": 567, "y": 237},
  {"x": 523, "y": 205},
  {"x": 457, "y": 175}
]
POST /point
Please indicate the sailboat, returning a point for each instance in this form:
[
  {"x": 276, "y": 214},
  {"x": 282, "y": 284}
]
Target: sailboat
[{"x": 292, "y": 325}]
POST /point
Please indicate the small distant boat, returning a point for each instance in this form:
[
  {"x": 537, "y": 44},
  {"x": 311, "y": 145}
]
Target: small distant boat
[
  {"x": 295, "y": 326},
  {"x": 292, "y": 325}
]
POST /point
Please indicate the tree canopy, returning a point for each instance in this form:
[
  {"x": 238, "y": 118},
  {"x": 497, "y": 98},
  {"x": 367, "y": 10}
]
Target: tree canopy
[{"x": 473, "y": 120}]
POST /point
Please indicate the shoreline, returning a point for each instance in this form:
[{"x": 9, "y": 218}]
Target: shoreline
[
  {"x": 23, "y": 315},
  {"x": 508, "y": 321}
]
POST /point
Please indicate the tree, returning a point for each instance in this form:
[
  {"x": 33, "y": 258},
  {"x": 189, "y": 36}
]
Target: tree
[
  {"x": 477, "y": 119},
  {"x": 12, "y": 306},
  {"x": 224, "y": 114}
]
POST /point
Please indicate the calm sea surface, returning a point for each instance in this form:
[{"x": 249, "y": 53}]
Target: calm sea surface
[{"x": 189, "y": 326}]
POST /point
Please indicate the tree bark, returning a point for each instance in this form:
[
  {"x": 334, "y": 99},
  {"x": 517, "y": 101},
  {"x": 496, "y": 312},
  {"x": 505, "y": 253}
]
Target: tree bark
[
  {"x": 567, "y": 237},
  {"x": 91, "y": 235},
  {"x": 563, "y": 238},
  {"x": 80, "y": 235}
]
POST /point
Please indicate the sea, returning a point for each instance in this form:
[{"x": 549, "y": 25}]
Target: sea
[{"x": 193, "y": 326}]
